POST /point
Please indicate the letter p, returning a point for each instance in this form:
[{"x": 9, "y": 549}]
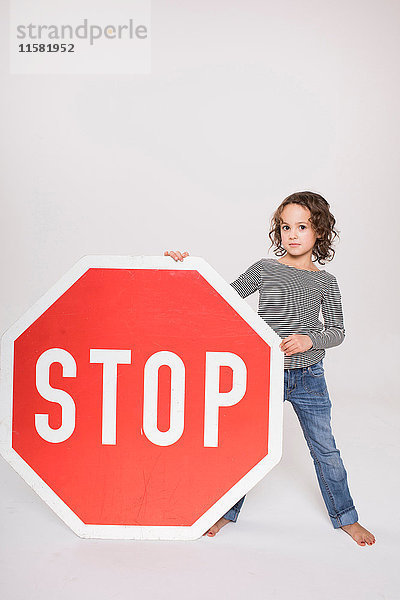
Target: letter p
[{"x": 214, "y": 398}]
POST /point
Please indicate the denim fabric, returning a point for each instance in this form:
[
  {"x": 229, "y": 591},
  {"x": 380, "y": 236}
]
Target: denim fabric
[{"x": 306, "y": 389}]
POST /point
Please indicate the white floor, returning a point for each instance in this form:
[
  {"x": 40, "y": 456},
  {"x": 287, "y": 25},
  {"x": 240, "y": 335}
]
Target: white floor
[{"x": 282, "y": 547}]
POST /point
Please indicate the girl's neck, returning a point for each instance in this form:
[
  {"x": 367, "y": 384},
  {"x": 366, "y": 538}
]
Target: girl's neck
[{"x": 298, "y": 263}]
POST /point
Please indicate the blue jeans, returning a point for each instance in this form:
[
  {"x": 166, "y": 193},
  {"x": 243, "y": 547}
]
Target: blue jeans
[{"x": 306, "y": 389}]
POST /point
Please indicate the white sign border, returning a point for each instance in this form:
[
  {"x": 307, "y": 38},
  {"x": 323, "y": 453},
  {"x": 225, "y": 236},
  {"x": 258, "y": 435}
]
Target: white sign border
[{"x": 235, "y": 493}]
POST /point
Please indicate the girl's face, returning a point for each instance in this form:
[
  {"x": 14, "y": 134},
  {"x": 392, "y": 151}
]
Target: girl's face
[{"x": 298, "y": 236}]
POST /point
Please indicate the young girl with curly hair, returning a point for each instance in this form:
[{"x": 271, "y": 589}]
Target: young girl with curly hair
[{"x": 292, "y": 290}]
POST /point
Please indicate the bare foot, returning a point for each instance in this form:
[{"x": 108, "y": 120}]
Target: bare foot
[
  {"x": 359, "y": 534},
  {"x": 215, "y": 528}
]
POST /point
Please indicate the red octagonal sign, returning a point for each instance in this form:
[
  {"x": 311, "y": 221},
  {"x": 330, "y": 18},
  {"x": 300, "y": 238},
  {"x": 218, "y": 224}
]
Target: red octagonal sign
[{"x": 141, "y": 398}]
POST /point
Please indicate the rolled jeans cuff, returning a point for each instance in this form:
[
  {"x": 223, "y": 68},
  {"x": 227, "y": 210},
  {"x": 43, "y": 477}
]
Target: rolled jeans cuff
[
  {"x": 232, "y": 515},
  {"x": 345, "y": 518}
]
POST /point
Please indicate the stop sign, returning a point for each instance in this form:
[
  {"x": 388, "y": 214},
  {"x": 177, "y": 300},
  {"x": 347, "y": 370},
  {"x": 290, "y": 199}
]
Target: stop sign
[{"x": 141, "y": 398}]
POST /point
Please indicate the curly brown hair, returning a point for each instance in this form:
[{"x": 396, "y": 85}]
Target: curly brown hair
[{"x": 322, "y": 221}]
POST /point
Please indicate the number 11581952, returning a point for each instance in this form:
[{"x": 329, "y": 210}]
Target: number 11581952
[{"x": 46, "y": 48}]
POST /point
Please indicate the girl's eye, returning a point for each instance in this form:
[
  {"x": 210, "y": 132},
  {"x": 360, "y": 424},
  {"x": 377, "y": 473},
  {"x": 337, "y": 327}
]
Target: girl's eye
[{"x": 286, "y": 227}]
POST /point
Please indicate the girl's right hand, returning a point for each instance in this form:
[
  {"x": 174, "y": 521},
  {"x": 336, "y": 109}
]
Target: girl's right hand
[{"x": 176, "y": 255}]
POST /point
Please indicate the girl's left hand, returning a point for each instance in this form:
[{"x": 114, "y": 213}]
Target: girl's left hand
[{"x": 297, "y": 342}]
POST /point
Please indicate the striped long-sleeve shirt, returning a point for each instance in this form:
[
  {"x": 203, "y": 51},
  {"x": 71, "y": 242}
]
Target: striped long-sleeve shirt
[{"x": 290, "y": 301}]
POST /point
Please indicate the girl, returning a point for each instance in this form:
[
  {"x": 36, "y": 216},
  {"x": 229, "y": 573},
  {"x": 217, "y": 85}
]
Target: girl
[{"x": 292, "y": 290}]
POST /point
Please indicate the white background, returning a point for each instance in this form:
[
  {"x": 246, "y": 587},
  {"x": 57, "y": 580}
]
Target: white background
[{"x": 247, "y": 102}]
